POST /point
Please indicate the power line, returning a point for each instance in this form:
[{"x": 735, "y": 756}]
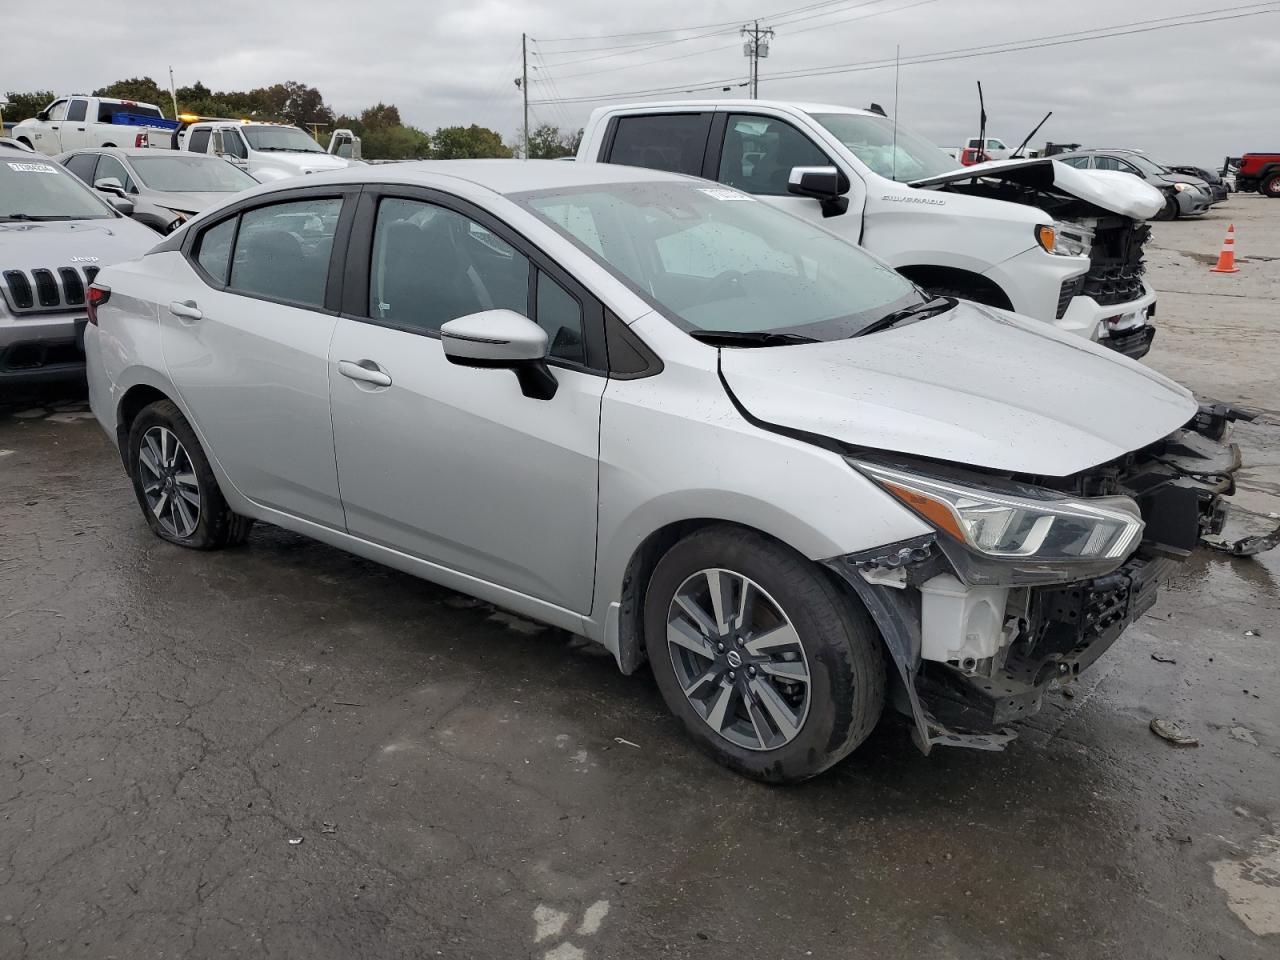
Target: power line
[
  {"x": 704, "y": 26},
  {"x": 695, "y": 87}
]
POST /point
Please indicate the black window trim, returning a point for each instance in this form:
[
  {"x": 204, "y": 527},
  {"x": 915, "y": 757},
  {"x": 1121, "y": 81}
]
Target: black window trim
[
  {"x": 188, "y": 242},
  {"x": 355, "y": 302}
]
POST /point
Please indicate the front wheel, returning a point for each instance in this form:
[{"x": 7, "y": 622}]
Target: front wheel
[
  {"x": 773, "y": 670},
  {"x": 175, "y": 485}
]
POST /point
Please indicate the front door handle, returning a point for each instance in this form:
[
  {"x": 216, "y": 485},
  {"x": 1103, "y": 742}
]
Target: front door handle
[
  {"x": 185, "y": 310},
  {"x": 365, "y": 371}
]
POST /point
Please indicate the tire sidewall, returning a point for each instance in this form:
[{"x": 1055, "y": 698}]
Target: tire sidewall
[
  {"x": 165, "y": 414},
  {"x": 813, "y": 611}
]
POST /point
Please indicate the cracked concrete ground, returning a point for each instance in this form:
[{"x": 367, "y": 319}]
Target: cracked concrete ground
[{"x": 464, "y": 784}]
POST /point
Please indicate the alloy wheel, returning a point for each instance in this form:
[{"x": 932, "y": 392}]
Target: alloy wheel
[
  {"x": 739, "y": 659},
  {"x": 169, "y": 482}
]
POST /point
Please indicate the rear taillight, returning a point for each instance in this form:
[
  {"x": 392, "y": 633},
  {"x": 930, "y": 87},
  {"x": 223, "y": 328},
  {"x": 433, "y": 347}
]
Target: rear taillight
[
  {"x": 142, "y": 140},
  {"x": 97, "y": 297}
]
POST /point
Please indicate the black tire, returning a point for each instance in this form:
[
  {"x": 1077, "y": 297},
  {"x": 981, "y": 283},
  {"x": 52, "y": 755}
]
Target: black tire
[
  {"x": 217, "y": 525},
  {"x": 1169, "y": 211},
  {"x": 841, "y": 646},
  {"x": 1270, "y": 187}
]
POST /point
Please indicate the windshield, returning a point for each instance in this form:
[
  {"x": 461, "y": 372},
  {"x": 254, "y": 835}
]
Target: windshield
[
  {"x": 280, "y": 138},
  {"x": 1145, "y": 165},
  {"x": 40, "y": 190},
  {"x": 904, "y": 156},
  {"x": 190, "y": 173},
  {"x": 713, "y": 259}
]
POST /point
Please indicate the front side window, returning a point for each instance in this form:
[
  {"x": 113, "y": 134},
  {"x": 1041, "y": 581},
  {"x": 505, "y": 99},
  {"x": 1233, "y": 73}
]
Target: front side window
[
  {"x": 711, "y": 258},
  {"x": 759, "y": 153},
  {"x": 58, "y": 110},
  {"x": 893, "y": 152},
  {"x": 288, "y": 139},
  {"x": 109, "y": 166},
  {"x": 430, "y": 265},
  {"x": 173, "y": 172},
  {"x": 1113, "y": 163},
  {"x": 282, "y": 251},
  {"x": 42, "y": 190},
  {"x": 199, "y": 141},
  {"x": 77, "y": 110},
  {"x": 674, "y": 142},
  {"x": 560, "y": 314},
  {"x": 232, "y": 145}
]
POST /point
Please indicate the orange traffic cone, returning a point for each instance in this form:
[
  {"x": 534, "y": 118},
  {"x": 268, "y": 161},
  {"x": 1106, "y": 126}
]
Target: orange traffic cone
[{"x": 1227, "y": 258}]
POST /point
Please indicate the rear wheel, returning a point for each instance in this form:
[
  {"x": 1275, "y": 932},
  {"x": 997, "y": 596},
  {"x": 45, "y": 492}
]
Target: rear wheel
[
  {"x": 1270, "y": 187},
  {"x": 773, "y": 670},
  {"x": 175, "y": 485}
]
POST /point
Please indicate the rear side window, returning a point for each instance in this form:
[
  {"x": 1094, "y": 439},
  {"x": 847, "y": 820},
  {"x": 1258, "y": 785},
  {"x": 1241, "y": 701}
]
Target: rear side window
[
  {"x": 214, "y": 251},
  {"x": 199, "y": 142},
  {"x": 77, "y": 110},
  {"x": 674, "y": 142},
  {"x": 282, "y": 251}
]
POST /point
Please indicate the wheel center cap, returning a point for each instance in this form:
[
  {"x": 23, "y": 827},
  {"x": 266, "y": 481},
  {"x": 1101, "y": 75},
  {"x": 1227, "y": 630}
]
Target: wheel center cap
[{"x": 734, "y": 658}]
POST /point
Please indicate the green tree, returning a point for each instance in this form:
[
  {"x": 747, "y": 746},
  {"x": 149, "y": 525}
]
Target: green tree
[
  {"x": 395, "y": 143},
  {"x": 381, "y": 116},
  {"x": 23, "y": 106},
  {"x": 462, "y": 143},
  {"x": 142, "y": 89},
  {"x": 547, "y": 142}
]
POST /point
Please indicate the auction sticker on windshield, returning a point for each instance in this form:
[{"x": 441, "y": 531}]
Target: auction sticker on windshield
[
  {"x": 719, "y": 193},
  {"x": 32, "y": 168}
]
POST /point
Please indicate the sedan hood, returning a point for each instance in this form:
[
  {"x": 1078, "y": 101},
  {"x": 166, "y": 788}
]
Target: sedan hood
[
  {"x": 1111, "y": 190},
  {"x": 972, "y": 386},
  {"x": 186, "y": 202}
]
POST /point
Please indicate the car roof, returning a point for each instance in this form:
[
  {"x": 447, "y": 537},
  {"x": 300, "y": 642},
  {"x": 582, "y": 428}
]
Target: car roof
[
  {"x": 501, "y": 176},
  {"x": 134, "y": 152},
  {"x": 741, "y": 105}
]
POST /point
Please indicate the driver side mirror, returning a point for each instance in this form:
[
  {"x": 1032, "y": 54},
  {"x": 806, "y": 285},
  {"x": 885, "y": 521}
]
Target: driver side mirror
[
  {"x": 502, "y": 339},
  {"x": 825, "y": 184},
  {"x": 109, "y": 185},
  {"x": 122, "y": 204},
  {"x": 43, "y": 116}
]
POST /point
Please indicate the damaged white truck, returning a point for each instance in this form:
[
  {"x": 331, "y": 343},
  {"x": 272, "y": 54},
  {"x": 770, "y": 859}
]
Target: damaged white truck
[{"x": 1032, "y": 236}]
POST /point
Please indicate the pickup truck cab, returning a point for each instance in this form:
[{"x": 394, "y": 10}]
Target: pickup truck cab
[
  {"x": 267, "y": 151},
  {"x": 1034, "y": 236},
  {"x": 72, "y": 123}
]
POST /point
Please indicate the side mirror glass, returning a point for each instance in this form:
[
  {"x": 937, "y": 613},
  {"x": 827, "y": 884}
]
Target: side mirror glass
[
  {"x": 122, "y": 205},
  {"x": 503, "y": 339},
  {"x": 109, "y": 185},
  {"x": 826, "y": 184}
]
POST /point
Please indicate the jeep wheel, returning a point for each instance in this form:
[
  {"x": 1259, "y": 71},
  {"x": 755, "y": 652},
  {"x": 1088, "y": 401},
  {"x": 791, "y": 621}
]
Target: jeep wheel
[
  {"x": 772, "y": 668},
  {"x": 175, "y": 485},
  {"x": 1270, "y": 187}
]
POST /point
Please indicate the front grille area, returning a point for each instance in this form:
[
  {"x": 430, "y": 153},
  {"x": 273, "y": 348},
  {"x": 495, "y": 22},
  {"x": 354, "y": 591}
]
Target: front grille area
[
  {"x": 1070, "y": 290},
  {"x": 46, "y": 290},
  {"x": 1116, "y": 263}
]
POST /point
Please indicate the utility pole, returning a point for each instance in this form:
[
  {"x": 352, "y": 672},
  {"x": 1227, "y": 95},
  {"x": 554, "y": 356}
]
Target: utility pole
[
  {"x": 524, "y": 87},
  {"x": 755, "y": 47},
  {"x": 173, "y": 92}
]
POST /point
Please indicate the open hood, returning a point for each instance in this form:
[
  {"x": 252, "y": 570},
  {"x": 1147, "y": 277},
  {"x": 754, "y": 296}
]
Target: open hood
[
  {"x": 1111, "y": 190},
  {"x": 972, "y": 386}
]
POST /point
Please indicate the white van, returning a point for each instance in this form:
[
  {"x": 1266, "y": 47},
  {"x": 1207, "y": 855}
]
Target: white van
[{"x": 1034, "y": 236}]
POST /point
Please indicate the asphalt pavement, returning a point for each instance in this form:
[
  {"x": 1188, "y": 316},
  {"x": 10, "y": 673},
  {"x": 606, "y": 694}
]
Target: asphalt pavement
[{"x": 286, "y": 751}]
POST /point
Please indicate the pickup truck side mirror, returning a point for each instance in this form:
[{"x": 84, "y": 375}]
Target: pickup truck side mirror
[
  {"x": 825, "y": 184},
  {"x": 122, "y": 205},
  {"x": 503, "y": 339},
  {"x": 42, "y": 116},
  {"x": 109, "y": 185}
]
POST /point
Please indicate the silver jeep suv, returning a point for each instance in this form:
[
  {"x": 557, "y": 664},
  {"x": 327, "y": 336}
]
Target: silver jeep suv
[{"x": 55, "y": 233}]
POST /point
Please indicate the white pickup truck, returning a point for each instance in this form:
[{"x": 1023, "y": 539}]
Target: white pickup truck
[
  {"x": 1032, "y": 236},
  {"x": 268, "y": 151},
  {"x": 71, "y": 123}
]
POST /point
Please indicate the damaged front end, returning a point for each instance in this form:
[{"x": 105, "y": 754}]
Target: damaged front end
[{"x": 1029, "y": 580}]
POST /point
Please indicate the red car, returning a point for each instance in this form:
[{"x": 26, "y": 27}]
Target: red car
[{"x": 1261, "y": 172}]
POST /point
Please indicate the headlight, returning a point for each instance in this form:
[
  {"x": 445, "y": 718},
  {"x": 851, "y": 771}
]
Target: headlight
[
  {"x": 1017, "y": 534},
  {"x": 1184, "y": 186},
  {"x": 1065, "y": 239}
]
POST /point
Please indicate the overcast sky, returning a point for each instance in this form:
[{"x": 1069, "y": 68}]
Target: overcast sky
[{"x": 1185, "y": 94}]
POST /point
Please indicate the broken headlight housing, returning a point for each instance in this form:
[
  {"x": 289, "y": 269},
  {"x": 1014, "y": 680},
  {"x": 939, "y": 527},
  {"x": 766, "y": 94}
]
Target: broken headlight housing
[
  {"x": 1065, "y": 239},
  {"x": 1010, "y": 534}
]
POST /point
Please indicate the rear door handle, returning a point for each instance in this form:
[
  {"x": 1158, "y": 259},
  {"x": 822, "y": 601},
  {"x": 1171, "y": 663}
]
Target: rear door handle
[
  {"x": 365, "y": 371},
  {"x": 185, "y": 310}
]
